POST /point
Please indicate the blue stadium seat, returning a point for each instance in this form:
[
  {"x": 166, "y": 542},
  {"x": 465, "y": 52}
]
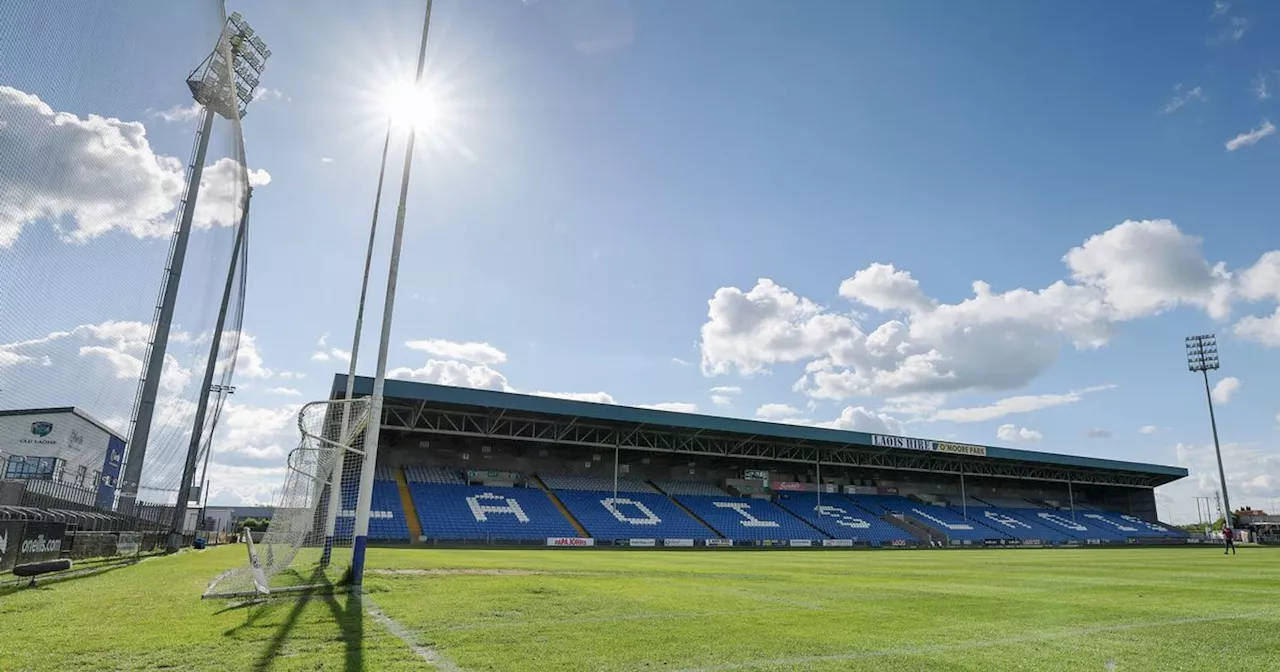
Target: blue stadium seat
[
  {"x": 632, "y": 515},
  {"x": 840, "y": 519},
  {"x": 949, "y": 523},
  {"x": 474, "y": 512},
  {"x": 387, "y": 521},
  {"x": 1081, "y": 527},
  {"x": 1018, "y": 527},
  {"x": 748, "y": 519},
  {"x": 1131, "y": 526}
]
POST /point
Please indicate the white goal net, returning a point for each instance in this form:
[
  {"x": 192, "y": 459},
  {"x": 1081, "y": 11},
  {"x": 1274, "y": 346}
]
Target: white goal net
[{"x": 288, "y": 556}]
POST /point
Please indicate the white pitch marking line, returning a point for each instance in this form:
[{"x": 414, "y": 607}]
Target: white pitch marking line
[
  {"x": 943, "y": 648},
  {"x": 426, "y": 653},
  {"x": 642, "y": 616}
]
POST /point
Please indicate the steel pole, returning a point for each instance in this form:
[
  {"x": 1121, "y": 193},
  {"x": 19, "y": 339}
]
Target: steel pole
[
  {"x": 202, "y": 405},
  {"x": 1222, "y": 476},
  {"x": 335, "y": 481},
  {"x": 365, "y": 497},
  {"x": 164, "y": 321}
]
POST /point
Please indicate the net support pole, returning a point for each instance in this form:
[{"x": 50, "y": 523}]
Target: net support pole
[
  {"x": 1071, "y": 500},
  {"x": 964, "y": 498},
  {"x": 202, "y": 404},
  {"x": 146, "y": 406},
  {"x": 615, "y": 469},
  {"x": 335, "y": 481},
  {"x": 365, "y": 498},
  {"x": 818, "y": 468}
]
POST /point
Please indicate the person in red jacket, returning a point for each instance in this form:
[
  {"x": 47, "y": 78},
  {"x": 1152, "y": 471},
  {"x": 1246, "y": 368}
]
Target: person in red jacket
[{"x": 1228, "y": 540}]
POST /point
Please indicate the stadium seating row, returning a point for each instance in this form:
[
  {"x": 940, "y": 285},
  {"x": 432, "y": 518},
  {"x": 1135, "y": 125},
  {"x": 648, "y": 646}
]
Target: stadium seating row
[{"x": 446, "y": 508}]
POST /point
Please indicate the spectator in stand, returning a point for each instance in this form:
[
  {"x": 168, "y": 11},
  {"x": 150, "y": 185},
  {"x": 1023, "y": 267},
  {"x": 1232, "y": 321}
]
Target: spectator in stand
[{"x": 1228, "y": 540}]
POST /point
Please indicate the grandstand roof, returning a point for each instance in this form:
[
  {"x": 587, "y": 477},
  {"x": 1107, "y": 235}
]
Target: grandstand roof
[{"x": 442, "y": 396}]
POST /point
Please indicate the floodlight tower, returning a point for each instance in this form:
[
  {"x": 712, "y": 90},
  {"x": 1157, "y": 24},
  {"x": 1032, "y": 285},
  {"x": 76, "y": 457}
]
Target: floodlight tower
[
  {"x": 223, "y": 84},
  {"x": 1202, "y": 357}
]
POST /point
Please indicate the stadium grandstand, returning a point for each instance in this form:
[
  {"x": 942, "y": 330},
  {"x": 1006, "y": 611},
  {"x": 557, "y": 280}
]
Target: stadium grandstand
[{"x": 459, "y": 465}]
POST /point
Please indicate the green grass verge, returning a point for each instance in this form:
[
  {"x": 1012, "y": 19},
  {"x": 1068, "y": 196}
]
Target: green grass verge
[
  {"x": 1062, "y": 609},
  {"x": 149, "y": 617},
  {"x": 1085, "y": 609}
]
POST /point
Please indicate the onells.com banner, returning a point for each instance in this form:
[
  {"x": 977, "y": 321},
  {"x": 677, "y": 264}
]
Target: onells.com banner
[{"x": 26, "y": 542}]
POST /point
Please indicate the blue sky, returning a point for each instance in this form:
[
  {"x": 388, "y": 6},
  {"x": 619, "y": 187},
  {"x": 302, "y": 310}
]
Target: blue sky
[{"x": 604, "y": 170}]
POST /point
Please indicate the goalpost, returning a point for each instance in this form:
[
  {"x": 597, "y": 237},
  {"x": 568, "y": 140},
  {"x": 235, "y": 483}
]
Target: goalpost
[{"x": 288, "y": 557}]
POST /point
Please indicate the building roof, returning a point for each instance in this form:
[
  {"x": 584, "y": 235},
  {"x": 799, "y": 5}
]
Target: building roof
[
  {"x": 460, "y": 396},
  {"x": 62, "y": 410}
]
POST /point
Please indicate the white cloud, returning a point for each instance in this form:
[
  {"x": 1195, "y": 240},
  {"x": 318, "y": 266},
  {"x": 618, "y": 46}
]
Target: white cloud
[
  {"x": 1013, "y": 405},
  {"x": 680, "y": 362},
  {"x": 1224, "y": 389},
  {"x": 1251, "y": 137},
  {"x": 181, "y": 113},
  {"x": 286, "y": 391},
  {"x": 776, "y": 411},
  {"x": 992, "y": 341},
  {"x": 593, "y": 397},
  {"x": 249, "y": 362},
  {"x": 326, "y": 353},
  {"x": 885, "y": 288},
  {"x": 1220, "y": 7},
  {"x": 1149, "y": 429},
  {"x": 118, "y": 181},
  {"x": 1264, "y": 330},
  {"x": 1253, "y": 474},
  {"x": 325, "y": 159},
  {"x": 266, "y": 93},
  {"x": 749, "y": 331},
  {"x": 292, "y": 375},
  {"x": 476, "y": 353},
  {"x": 860, "y": 419},
  {"x": 222, "y": 192},
  {"x": 1019, "y": 434},
  {"x": 1097, "y": 433},
  {"x": 1144, "y": 268},
  {"x": 457, "y": 374},
  {"x": 722, "y": 395},
  {"x": 1181, "y": 98},
  {"x": 1262, "y": 280},
  {"x": 119, "y": 184},
  {"x": 673, "y": 406}
]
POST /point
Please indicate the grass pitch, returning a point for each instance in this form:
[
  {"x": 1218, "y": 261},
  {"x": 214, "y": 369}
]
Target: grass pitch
[{"x": 1082, "y": 609}]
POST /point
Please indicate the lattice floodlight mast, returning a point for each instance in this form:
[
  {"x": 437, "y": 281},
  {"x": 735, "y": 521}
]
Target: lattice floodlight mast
[
  {"x": 1202, "y": 357},
  {"x": 229, "y": 90},
  {"x": 223, "y": 84}
]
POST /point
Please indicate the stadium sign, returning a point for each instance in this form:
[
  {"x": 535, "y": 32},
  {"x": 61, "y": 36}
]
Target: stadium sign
[
  {"x": 801, "y": 543},
  {"x": 882, "y": 441},
  {"x": 643, "y": 543},
  {"x": 961, "y": 449},
  {"x": 678, "y": 543},
  {"x": 570, "y": 541},
  {"x": 40, "y": 542},
  {"x": 719, "y": 543},
  {"x": 755, "y": 474},
  {"x": 926, "y": 445},
  {"x": 837, "y": 542}
]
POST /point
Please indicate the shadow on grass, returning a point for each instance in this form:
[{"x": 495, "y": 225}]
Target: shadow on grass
[{"x": 350, "y": 619}]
